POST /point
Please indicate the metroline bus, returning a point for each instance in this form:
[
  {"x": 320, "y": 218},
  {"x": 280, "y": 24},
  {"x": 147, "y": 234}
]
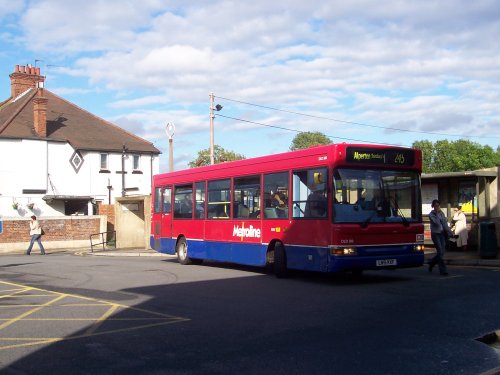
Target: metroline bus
[{"x": 340, "y": 207}]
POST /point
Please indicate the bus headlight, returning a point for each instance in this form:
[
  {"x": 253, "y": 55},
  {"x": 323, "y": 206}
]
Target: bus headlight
[
  {"x": 339, "y": 250},
  {"x": 418, "y": 248}
]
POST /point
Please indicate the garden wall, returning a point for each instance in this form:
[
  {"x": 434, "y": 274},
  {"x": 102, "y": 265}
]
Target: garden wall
[{"x": 68, "y": 232}]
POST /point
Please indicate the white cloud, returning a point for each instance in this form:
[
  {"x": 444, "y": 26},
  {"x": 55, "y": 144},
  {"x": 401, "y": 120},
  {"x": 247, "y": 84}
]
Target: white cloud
[
  {"x": 428, "y": 66},
  {"x": 139, "y": 102},
  {"x": 9, "y": 7}
]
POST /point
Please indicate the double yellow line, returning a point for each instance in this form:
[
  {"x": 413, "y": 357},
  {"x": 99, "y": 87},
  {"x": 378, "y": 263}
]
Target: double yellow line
[{"x": 18, "y": 290}]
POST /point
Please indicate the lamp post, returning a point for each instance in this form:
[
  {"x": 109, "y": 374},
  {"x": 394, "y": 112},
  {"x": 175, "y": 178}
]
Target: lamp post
[
  {"x": 218, "y": 107},
  {"x": 170, "y": 134},
  {"x": 109, "y": 191}
]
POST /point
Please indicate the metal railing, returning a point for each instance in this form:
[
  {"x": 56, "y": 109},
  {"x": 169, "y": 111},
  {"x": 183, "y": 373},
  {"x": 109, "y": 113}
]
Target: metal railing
[{"x": 108, "y": 240}]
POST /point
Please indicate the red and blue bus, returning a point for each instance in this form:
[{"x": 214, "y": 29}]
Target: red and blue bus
[{"x": 340, "y": 207}]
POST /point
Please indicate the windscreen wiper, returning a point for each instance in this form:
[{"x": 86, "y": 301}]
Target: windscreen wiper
[
  {"x": 405, "y": 221},
  {"x": 364, "y": 224}
]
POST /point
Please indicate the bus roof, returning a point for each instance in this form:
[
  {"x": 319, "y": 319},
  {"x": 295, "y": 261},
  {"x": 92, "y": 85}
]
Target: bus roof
[{"x": 315, "y": 155}]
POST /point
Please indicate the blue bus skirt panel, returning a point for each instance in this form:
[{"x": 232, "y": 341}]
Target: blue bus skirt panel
[
  {"x": 307, "y": 258},
  {"x": 242, "y": 253},
  {"x": 163, "y": 245}
]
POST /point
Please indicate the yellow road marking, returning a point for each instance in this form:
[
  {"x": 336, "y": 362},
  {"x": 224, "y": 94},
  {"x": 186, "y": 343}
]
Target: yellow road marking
[
  {"x": 9, "y": 290},
  {"x": 51, "y": 341},
  {"x": 155, "y": 318},
  {"x": 84, "y": 319},
  {"x": 14, "y": 294},
  {"x": 101, "y": 319},
  {"x": 30, "y": 295},
  {"x": 32, "y": 311}
]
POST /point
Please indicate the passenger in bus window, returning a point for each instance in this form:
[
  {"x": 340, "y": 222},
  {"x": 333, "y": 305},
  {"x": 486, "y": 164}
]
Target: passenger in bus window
[
  {"x": 200, "y": 210},
  {"x": 316, "y": 204},
  {"x": 280, "y": 204},
  {"x": 187, "y": 204},
  {"x": 382, "y": 204},
  {"x": 373, "y": 200},
  {"x": 366, "y": 200}
]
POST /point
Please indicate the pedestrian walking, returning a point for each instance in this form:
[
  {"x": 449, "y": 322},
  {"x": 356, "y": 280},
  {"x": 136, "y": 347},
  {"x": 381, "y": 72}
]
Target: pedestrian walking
[
  {"x": 440, "y": 232},
  {"x": 36, "y": 235}
]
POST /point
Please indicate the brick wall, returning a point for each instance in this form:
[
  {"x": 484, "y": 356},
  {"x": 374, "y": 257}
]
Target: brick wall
[
  {"x": 60, "y": 232},
  {"x": 108, "y": 210}
]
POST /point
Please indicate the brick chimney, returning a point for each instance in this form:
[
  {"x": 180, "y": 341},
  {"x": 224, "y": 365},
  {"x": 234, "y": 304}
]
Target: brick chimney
[
  {"x": 23, "y": 78},
  {"x": 40, "y": 113}
]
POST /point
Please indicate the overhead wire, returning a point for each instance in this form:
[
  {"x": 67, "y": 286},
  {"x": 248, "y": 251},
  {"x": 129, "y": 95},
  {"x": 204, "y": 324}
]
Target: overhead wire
[
  {"x": 351, "y": 122},
  {"x": 300, "y": 131}
]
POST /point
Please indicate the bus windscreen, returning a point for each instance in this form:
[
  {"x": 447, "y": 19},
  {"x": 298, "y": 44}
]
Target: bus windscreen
[{"x": 376, "y": 196}]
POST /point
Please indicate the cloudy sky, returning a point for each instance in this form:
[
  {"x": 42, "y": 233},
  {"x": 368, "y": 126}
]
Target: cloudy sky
[{"x": 358, "y": 71}]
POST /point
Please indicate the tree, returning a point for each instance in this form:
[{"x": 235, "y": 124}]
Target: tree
[
  {"x": 308, "y": 139},
  {"x": 220, "y": 156},
  {"x": 456, "y": 156},
  {"x": 427, "y": 148}
]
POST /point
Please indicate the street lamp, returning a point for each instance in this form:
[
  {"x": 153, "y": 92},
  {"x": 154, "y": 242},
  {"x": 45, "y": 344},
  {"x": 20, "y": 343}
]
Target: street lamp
[
  {"x": 218, "y": 107},
  {"x": 170, "y": 133}
]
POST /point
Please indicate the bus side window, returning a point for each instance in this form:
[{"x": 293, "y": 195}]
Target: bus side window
[
  {"x": 157, "y": 200},
  {"x": 167, "y": 200},
  {"x": 310, "y": 193},
  {"x": 183, "y": 202},
  {"x": 276, "y": 195},
  {"x": 199, "y": 203},
  {"x": 219, "y": 195},
  {"x": 246, "y": 197}
]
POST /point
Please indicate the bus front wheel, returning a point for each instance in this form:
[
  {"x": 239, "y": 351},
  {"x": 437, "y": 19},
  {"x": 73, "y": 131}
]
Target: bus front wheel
[
  {"x": 182, "y": 251},
  {"x": 280, "y": 260}
]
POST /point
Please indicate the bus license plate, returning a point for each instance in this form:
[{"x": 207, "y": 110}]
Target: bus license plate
[{"x": 386, "y": 262}]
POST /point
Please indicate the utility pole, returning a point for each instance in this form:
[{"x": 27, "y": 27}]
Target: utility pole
[
  {"x": 212, "y": 117},
  {"x": 218, "y": 107}
]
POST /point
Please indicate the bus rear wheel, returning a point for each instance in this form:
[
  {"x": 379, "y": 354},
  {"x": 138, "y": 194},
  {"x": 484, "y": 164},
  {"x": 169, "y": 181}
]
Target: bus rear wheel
[
  {"x": 182, "y": 251},
  {"x": 280, "y": 261}
]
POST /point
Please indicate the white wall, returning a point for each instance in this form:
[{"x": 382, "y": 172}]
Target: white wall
[{"x": 42, "y": 165}]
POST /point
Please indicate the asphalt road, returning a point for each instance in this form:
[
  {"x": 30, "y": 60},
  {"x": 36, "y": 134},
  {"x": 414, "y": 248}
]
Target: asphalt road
[{"x": 97, "y": 315}]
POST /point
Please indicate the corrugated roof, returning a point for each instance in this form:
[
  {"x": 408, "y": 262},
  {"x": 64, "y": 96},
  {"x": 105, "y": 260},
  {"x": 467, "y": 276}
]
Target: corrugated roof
[{"x": 68, "y": 122}]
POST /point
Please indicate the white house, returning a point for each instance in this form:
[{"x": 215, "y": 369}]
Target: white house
[{"x": 58, "y": 159}]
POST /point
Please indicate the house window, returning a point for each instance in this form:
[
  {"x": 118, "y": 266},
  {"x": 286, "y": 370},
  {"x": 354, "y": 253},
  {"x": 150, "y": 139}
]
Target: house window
[
  {"x": 137, "y": 162},
  {"x": 104, "y": 161}
]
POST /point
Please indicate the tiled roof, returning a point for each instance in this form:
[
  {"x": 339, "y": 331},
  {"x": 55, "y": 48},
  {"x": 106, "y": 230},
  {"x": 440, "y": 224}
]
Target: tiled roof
[{"x": 67, "y": 122}]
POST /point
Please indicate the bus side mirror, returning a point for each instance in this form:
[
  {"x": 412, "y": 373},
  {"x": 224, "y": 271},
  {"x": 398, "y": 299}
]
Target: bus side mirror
[{"x": 318, "y": 178}]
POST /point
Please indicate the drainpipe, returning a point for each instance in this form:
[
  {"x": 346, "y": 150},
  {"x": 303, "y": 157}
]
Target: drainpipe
[
  {"x": 123, "y": 170},
  {"x": 151, "y": 172}
]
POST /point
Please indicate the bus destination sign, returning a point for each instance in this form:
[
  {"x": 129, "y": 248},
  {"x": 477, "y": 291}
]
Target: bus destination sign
[{"x": 361, "y": 155}]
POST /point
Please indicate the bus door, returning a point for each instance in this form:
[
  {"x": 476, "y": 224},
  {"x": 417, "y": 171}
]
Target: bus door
[
  {"x": 155, "y": 232},
  {"x": 310, "y": 231},
  {"x": 163, "y": 222}
]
